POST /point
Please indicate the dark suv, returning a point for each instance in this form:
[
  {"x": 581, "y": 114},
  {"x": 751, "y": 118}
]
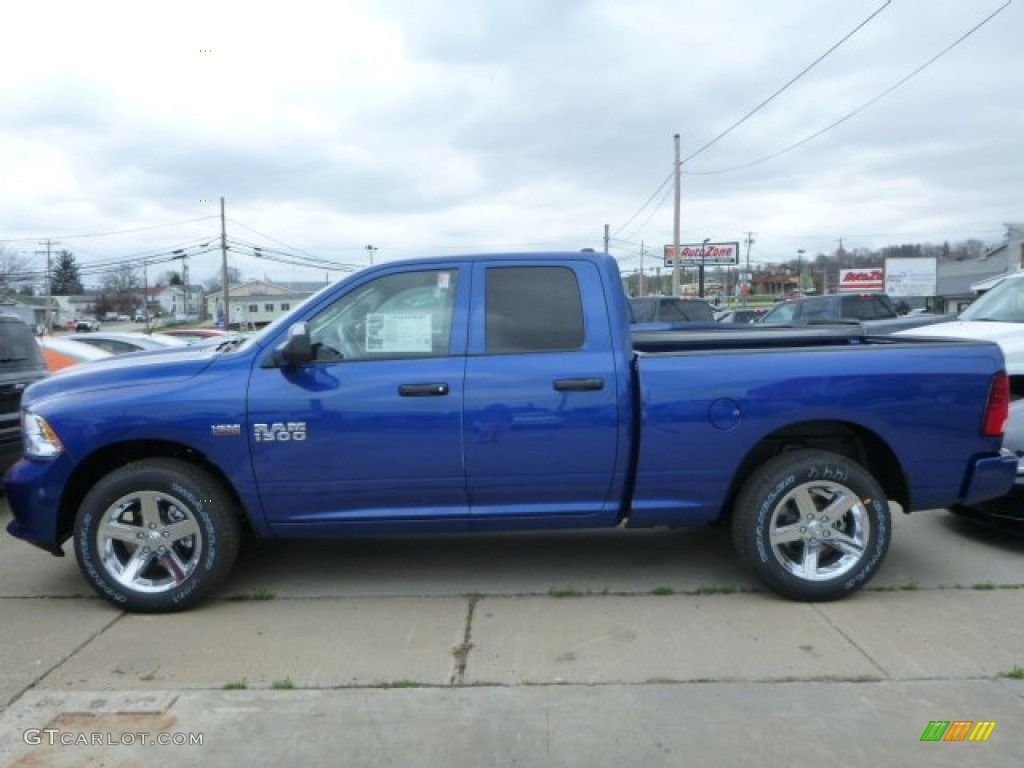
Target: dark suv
[{"x": 21, "y": 363}]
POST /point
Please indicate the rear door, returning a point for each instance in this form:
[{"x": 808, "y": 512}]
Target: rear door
[{"x": 541, "y": 415}]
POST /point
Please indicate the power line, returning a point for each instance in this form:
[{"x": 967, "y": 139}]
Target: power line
[
  {"x": 863, "y": 106},
  {"x": 115, "y": 232},
  {"x": 802, "y": 72},
  {"x": 746, "y": 117}
]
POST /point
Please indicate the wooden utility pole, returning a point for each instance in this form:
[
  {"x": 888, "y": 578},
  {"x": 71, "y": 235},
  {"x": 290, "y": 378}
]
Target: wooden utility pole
[
  {"x": 48, "y": 322},
  {"x": 224, "y": 267},
  {"x": 675, "y": 224}
]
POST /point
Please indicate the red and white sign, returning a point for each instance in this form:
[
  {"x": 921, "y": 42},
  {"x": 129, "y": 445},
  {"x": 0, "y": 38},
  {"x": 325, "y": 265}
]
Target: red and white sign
[
  {"x": 870, "y": 279},
  {"x": 708, "y": 254}
]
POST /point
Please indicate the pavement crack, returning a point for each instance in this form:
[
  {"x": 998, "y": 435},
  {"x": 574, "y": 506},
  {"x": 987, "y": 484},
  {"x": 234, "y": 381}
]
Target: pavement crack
[
  {"x": 461, "y": 651},
  {"x": 882, "y": 670},
  {"x": 57, "y": 665}
]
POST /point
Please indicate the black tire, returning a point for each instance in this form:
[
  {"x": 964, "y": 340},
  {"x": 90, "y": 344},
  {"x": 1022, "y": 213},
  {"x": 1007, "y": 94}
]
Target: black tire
[
  {"x": 156, "y": 535},
  {"x": 813, "y": 525}
]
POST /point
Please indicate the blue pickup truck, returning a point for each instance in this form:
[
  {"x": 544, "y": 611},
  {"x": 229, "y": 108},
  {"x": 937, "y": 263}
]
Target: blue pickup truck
[{"x": 498, "y": 393}]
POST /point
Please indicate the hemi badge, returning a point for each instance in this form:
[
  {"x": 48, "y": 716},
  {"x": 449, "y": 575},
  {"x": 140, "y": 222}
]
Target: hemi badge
[{"x": 225, "y": 430}]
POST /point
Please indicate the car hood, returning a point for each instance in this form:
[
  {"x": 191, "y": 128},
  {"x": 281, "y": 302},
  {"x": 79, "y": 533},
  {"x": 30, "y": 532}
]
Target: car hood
[
  {"x": 165, "y": 366},
  {"x": 1009, "y": 336}
]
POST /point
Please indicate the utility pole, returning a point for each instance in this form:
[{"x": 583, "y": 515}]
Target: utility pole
[
  {"x": 643, "y": 292},
  {"x": 371, "y": 249},
  {"x": 48, "y": 322},
  {"x": 749, "y": 277},
  {"x": 184, "y": 277},
  {"x": 224, "y": 267},
  {"x": 675, "y": 223},
  {"x": 607, "y": 238}
]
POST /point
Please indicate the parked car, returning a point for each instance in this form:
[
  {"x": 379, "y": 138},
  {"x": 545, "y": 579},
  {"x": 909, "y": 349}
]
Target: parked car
[
  {"x": 496, "y": 393},
  {"x": 874, "y": 311},
  {"x": 997, "y": 315},
  {"x": 120, "y": 343},
  {"x": 86, "y": 325},
  {"x": 194, "y": 335},
  {"x": 742, "y": 315},
  {"x": 61, "y": 352},
  {"x": 21, "y": 364},
  {"x": 666, "y": 309}
]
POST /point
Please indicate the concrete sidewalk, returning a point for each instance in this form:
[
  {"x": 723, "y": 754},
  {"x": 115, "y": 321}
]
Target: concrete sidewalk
[{"x": 724, "y": 679}]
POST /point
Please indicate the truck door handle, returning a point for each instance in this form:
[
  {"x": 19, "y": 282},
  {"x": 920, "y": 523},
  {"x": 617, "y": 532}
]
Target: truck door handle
[
  {"x": 439, "y": 389},
  {"x": 578, "y": 385}
]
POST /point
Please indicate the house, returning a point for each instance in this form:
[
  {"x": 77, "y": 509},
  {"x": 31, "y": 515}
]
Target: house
[
  {"x": 169, "y": 301},
  {"x": 256, "y": 303}
]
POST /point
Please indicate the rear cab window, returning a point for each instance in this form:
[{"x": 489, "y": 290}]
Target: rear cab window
[{"x": 532, "y": 309}]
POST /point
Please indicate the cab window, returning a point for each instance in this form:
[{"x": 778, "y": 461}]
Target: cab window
[{"x": 408, "y": 314}]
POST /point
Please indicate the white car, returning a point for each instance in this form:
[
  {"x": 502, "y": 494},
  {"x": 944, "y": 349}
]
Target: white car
[{"x": 998, "y": 316}]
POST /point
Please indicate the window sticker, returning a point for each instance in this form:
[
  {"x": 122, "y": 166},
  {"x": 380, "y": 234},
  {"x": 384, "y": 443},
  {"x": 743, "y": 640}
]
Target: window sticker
[
  {"x": 444, "y": 280},
  {"x": 399, "y": 332}
]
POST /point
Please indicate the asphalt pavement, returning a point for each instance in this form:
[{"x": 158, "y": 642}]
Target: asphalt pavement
[{"x": 613, "y": 648}]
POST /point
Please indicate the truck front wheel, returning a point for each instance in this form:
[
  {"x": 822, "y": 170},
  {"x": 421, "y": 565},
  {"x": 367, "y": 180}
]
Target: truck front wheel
[
  {"x": 813, "y": 525},
  {"x": 156, "y": 535}
]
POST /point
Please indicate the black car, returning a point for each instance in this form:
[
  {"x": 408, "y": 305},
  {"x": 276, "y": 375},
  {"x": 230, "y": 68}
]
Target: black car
[
  {"x": 742, "y": 315},
  {"x": 21, "y": 363},
  {"x": 665, "y": 309}
]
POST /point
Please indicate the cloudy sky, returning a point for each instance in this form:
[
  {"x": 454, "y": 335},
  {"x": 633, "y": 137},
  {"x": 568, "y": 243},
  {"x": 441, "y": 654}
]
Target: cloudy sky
[{"x": 447, "y": 126}]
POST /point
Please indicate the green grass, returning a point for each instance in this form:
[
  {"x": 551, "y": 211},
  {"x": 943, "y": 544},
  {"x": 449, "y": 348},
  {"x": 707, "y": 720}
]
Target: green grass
[
  {"x": 985, "y": 585},
  {"x": 283, "y": 685},
  {"x": 237, "y": 685},
  {"x": 564, "y": 592},
  {"x": 1017, "y": 673},
  {"x": 259, "y": 594},
  {"x": 663, "y": 591},
  {"x": 714, "y": 589}
]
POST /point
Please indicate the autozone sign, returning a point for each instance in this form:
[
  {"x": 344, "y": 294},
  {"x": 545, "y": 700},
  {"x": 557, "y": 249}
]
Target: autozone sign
[
  {"x": 871, "y": 279},
  {"x": 709, "y": 254}
]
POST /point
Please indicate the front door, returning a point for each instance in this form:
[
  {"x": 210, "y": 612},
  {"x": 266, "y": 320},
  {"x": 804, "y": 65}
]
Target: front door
[{"x": 369, "y": 436}]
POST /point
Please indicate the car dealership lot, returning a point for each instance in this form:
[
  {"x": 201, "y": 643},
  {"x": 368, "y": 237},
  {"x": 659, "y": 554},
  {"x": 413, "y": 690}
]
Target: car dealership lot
[{"x": 624, "y": 648}]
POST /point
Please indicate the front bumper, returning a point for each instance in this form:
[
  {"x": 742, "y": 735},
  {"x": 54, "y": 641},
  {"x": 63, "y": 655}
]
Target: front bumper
[{"x": 34, "y": 490}]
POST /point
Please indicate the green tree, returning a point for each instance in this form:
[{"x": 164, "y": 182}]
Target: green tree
[{"x": 66, "y": 279}]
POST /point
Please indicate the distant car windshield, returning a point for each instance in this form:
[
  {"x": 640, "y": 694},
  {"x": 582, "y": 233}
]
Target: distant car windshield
[{"x": 1002, "y": 304}]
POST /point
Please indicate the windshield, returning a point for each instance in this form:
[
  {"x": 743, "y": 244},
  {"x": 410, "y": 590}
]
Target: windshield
[{"x": 1003, "y": 304}]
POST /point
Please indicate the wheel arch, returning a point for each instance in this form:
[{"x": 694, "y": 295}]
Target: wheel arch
[
  {"x": 853, "y": 441},
  {"x": 110, "y": 457}
]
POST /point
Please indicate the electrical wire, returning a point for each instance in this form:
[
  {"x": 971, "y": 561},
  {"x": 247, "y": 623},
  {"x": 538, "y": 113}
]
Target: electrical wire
[
  {"x": 863, "y": 106},
  {"x": 802, "y": 72},
  {"x": 747, "y": 116},
  {"x": 107, "y": 234}
]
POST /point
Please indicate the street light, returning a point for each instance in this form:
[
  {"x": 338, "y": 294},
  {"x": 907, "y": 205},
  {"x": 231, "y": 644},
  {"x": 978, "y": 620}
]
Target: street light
[
  {"x": 800, "y": 270},
  {"x": 370, "y": 249},
  {"x": 700, "y": 277}
]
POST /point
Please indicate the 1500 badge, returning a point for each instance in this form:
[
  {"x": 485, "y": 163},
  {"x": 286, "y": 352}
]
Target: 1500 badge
[{"x": 279, "y": 431}]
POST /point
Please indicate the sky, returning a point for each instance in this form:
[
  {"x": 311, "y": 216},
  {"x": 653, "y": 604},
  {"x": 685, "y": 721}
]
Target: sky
[{"x": 429, "y": 127}]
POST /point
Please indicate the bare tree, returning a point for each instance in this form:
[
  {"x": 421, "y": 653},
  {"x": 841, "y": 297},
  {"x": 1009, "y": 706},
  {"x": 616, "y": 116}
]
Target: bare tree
[{"x": 16, "y": 269}]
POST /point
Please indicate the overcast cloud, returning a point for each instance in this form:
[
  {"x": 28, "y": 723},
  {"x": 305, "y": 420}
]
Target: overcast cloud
[{"x": 442, "y": 126}]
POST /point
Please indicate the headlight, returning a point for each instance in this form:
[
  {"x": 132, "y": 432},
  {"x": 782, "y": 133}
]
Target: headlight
[{"x": 40, "y": 441}]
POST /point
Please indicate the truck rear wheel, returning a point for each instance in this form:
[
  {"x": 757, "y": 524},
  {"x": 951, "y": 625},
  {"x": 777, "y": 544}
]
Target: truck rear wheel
[
  {"x": 156, "y": 535},
  {"x": 813, "y": 525}
]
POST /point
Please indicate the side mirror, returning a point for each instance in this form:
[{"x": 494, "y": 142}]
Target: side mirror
[{"x": 297, "y": 349}]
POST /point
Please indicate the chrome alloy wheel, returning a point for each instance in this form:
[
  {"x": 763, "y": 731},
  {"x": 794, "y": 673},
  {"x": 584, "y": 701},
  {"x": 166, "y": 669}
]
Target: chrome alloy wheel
[
  {"x": 819, "y": 530},
  {"x": 149, "y": 541}
]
